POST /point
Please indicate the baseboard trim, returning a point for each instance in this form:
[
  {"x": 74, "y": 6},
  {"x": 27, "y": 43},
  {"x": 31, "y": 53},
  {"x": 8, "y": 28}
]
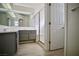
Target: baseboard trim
[{"x": 56, "y": 49}]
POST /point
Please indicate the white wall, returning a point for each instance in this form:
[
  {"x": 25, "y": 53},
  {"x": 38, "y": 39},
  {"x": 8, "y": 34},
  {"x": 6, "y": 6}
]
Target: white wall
[
  {"x": 32, "y": 22},
  {"x": 26, "y": 20},
  {"x": 72, "y": 41}
]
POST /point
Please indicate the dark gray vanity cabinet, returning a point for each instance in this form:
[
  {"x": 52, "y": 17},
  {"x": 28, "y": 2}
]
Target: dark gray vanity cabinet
[
  {"x": 8, "y": 43},
  {"x": 27, "y": 35},
  {"x": 23, "y": 35},
  {"x": 32, "y": 35}
]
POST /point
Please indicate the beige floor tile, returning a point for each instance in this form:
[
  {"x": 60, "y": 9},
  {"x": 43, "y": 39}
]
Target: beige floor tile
[{"x": 33, "y": 49}]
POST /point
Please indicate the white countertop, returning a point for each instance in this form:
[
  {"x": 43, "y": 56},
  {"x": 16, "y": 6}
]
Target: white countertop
[{"x": 5, "y": 29}]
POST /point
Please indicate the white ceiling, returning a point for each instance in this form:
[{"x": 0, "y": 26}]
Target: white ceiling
[
  {"x": 30, "y": 5},
  {"x": 27, "y": 7}
]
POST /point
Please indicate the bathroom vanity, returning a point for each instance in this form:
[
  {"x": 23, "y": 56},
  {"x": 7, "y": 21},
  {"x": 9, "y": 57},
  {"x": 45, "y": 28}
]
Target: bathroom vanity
[
  {"x": 11, "y": 36},
  {"x": 27, "y": 35},
  {"x": 8, "y": 43}
]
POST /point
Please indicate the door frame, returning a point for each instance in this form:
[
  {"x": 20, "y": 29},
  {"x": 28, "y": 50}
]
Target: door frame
[
  {"x": 66, "y": 27},
  {"x": 49, "y": 26},
  {"x": 40, "y": 24}
]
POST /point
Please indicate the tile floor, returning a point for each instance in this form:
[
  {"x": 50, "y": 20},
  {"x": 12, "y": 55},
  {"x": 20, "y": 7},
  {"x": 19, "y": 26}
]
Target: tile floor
[{"x": 33, "y": 49}]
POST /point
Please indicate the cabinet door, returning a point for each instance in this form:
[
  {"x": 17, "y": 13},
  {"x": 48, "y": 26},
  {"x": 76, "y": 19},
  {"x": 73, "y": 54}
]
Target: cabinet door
[
  {"x": 32, "y": 34},
  {"x": 8, "y": 43},
  {"x": 1, "y": 44},
  {"x": 23, "y": 35}
]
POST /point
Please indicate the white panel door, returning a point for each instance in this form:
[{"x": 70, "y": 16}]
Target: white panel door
[{"x": 57, "y": 26}]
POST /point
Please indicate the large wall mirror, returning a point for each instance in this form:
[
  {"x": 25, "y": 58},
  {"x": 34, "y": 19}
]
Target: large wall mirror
[{"x": 9, "y": 17}]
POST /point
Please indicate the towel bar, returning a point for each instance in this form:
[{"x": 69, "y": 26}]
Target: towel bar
[{"x": 74, "y": 9}]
